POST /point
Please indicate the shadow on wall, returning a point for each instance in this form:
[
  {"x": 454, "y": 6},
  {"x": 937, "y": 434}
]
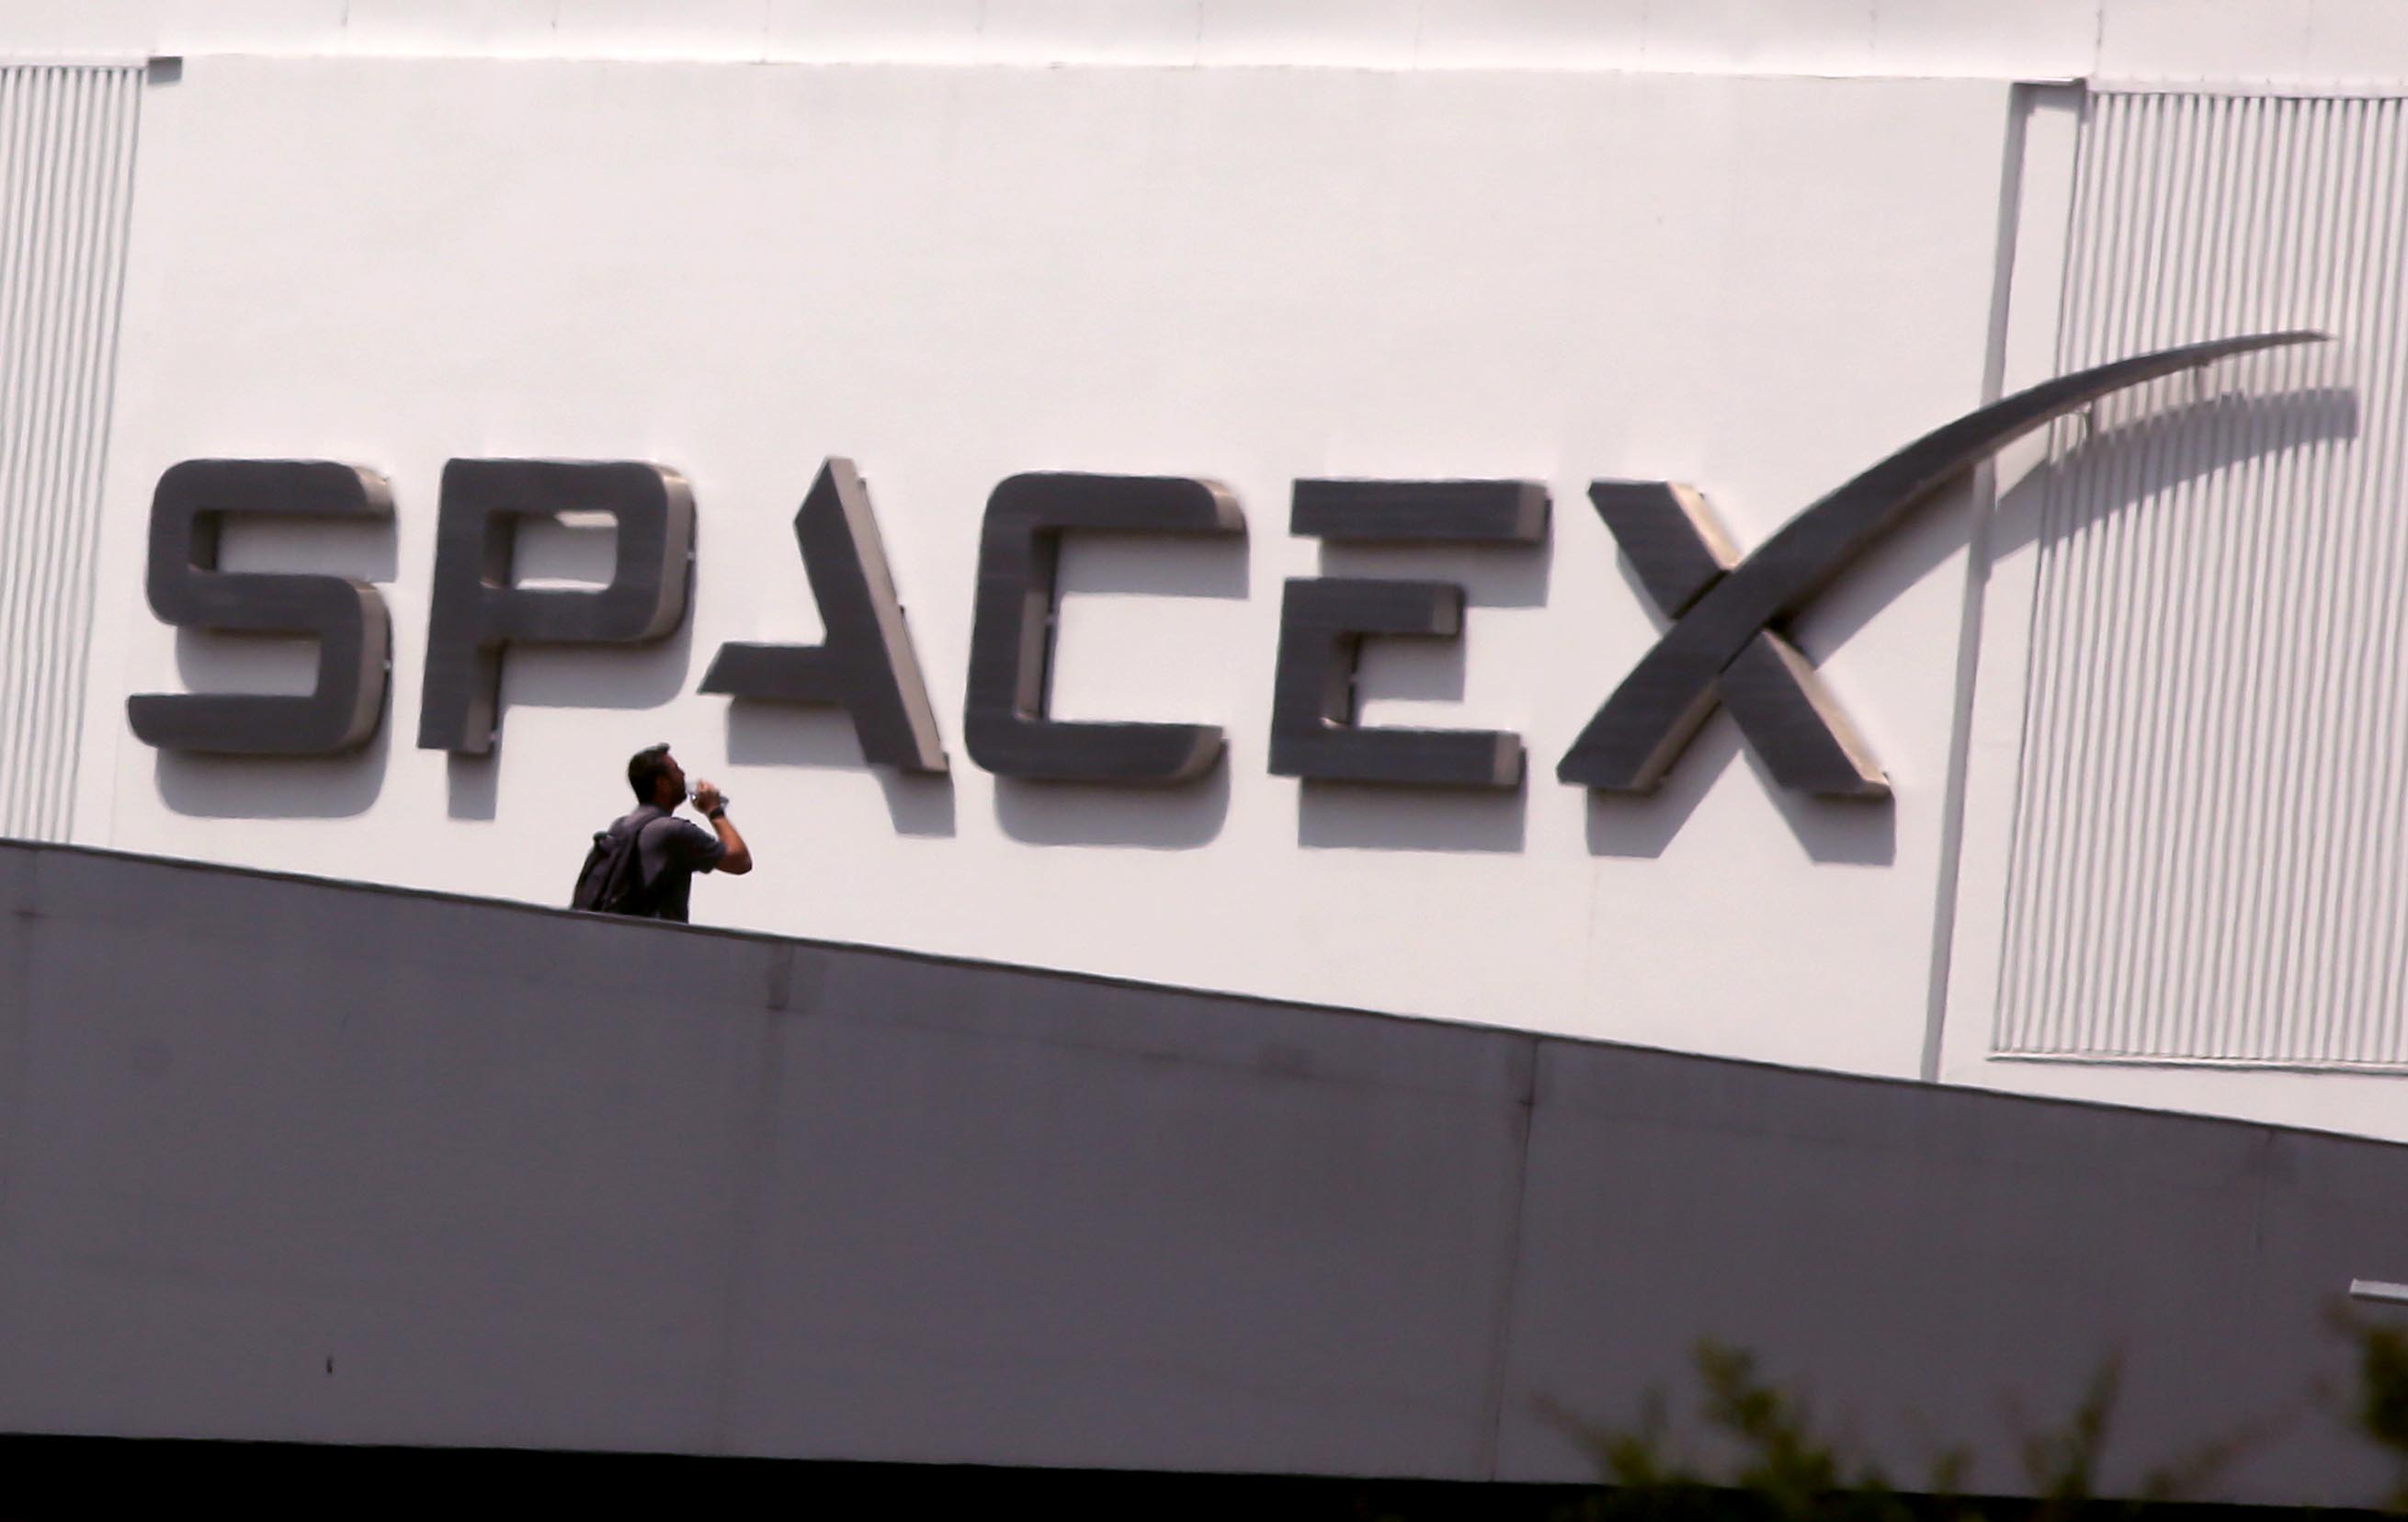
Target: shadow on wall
[
  {"x": 272, "y": 787},
  {"x": 2168, "y": 449},
  {"x": 1179, "y": 818},
  {"x": 1368, "y": 817},
  {"x": 2145, "y": 458},
  {"x": 786, "y": 735}
]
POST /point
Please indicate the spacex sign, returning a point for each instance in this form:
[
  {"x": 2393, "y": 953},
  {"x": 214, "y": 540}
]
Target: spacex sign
[{"x": 1723, "y": 644}]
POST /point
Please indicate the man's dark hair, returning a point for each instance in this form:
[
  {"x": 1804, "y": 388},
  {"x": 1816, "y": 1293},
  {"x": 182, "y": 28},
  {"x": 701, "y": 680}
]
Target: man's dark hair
[{"x": 644, "y": 767}]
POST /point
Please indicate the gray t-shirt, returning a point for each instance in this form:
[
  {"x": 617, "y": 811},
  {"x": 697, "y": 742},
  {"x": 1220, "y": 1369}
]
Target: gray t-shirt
[{"x": 673, "y": 850}]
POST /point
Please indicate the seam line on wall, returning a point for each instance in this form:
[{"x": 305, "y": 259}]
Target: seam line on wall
[
  {"x": 1489, "y": 1460},
  {"x": 2021, "y": 103}
]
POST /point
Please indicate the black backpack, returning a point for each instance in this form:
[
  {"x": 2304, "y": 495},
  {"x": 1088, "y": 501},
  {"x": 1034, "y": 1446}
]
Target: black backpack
[{"x": 611, "y": 881}]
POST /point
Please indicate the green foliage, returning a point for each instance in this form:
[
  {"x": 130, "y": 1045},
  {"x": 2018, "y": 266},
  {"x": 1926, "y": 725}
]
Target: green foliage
[
  {"x": 2381, "y": 1403},
  {"x": 2063, "y": 1466},
  {"x": 1783, "y": 1468},
  {"x": 1778, "y": 1465}
]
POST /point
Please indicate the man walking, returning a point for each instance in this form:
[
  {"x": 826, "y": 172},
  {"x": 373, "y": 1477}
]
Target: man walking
[{"x": 644, "y": 863}]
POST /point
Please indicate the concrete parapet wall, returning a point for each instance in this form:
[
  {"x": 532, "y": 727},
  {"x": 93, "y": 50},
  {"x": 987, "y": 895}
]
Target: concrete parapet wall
[{"x": 299, "y": 1160}]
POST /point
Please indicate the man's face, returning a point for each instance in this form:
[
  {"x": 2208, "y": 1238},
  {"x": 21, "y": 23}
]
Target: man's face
[{"x": 671, "y": 782}]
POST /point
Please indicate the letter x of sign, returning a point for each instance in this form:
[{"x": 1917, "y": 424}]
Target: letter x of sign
[
  {"x": 1672, "y": 540},
  {"x": 1725, "y": 644}
]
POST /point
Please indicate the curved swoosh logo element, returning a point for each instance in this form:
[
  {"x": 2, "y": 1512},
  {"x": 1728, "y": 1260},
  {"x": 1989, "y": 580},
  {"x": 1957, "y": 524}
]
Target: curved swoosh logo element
[{"x": 1723, "y": 645}]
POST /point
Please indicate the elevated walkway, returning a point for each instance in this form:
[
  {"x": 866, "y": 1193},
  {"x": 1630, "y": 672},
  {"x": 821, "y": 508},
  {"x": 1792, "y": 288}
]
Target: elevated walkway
[{"x": 305, "y": 1161}]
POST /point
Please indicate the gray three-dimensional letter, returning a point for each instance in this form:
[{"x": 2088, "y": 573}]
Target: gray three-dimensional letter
[
  {"x": 1324, "y": 620},
  {"x": 348, "y": 618},
  {"x": 866, "y": 666},
  {"x": 477, "y": 612},
  {"x": 1004, "y": 722},
  {"x": 1725, "y": 643}
]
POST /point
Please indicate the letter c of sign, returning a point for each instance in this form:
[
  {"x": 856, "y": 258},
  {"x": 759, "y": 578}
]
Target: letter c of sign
[{"x": 1006, "y": 725}]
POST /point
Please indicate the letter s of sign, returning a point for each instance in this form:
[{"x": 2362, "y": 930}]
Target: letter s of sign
[
  {"x": 348, "y": 618},
  {"x": 1725, "y": 643}
]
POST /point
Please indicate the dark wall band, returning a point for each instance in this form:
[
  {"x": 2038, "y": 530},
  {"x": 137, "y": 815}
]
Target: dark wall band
[
  {"x": 347, "y": 618},
  {"x": 980, "y": 1214},
  {"x": 866, "y": 666},
  {"x": 477, "y": 613}
]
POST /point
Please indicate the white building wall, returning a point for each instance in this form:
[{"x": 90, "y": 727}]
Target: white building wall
[
  {"x": 1517, "y": 240},
  {"x": 952, "y": 275}
]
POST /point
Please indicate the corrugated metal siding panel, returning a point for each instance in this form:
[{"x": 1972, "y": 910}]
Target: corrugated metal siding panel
[
  {"x": 2210, "y": 840},
  {"x": 66, "y": 171}
]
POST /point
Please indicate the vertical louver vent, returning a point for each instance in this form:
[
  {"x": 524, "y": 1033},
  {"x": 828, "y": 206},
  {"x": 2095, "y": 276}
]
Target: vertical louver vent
[
  {"x": 66, "y": 170},
  {"x": 2211, "y": 839}
]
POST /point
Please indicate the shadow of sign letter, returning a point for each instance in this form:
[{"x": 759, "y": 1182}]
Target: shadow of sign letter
[{"x": 348, "y": 618}]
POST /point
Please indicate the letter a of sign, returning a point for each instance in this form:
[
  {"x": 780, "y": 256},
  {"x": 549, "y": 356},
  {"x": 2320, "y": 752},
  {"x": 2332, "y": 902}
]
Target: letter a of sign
[
  {"x": 1725, "y": 644},
  {"x": 867, "y": 666}
]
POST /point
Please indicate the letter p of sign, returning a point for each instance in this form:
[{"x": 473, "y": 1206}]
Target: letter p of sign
[{"x": 478, "y": 610}]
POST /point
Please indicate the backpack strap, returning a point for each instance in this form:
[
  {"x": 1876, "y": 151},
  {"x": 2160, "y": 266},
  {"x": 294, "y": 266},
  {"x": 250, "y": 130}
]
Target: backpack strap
[
  {"x": 639, "y": 887},
  {"x": 613, "y": 878}
]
